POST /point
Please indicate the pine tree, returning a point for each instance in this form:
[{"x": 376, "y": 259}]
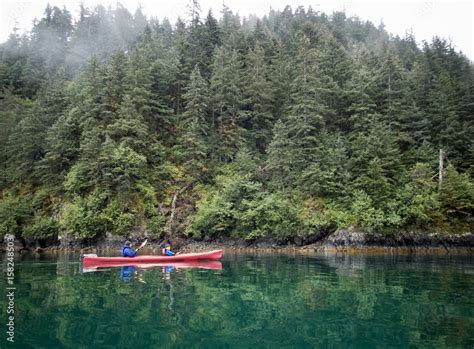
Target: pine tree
[
  {"x": 281, "y": 75},
  {"x": 457, "y": 193},
  {"x": 227, "y": 101},
  {"x": 195, "y": 51},
  {"x": 50, "y": 37},
  {"x": 258, "y": 120},
  {"x": 140, "y": 21},
  {"x": 375, "y": 183},
  {"x": 362, "y": 107},
  {"x": 307, "y": 110},
  {"x": 61, "y": 149},
  {"x": 12, "y": 110},
  {"x": 130, "y": 127},
  {"x": 392, "y": 87},
  {"x": 377, "y": 142},
  {"x": 26, "y": 144},
  {"x": 138, "y": 84},
  {"x": 211, "y": 39},
  {"x": 328, "y": 175},
  {"x": 89, "y": 95},
  {"x": 229, "y": 25},
  {"x": 195, "y": 124},
  {"x": 114, "y": 86},
  {"x": 448, "y": 132},
  {"x": 281, "y": 155},
  {"x": 336, "y": 70}
]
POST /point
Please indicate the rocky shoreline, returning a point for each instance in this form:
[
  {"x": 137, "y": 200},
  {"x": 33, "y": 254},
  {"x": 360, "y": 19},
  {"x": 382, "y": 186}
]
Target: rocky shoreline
[{"x": 344, "y": 240}]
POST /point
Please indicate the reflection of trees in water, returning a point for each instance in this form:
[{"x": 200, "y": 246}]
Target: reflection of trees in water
[
  {"x": 293, "y": 301},
  {"x": 63, "y": 264},
  {"x": 169, "y": 282},
  {"x": 414, "y": 292}
]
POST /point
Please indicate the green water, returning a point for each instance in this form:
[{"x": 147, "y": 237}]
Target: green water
[{"x": 253, "y": 302}]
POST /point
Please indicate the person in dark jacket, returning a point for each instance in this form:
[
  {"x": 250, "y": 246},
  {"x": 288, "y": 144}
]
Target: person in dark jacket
[{"x": 127, "y": 250}]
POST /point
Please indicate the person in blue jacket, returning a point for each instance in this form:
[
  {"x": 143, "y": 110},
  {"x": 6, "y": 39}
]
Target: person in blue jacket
[
  {"x": 167, "y": 251},
  {"x": 127, "y": 250}
]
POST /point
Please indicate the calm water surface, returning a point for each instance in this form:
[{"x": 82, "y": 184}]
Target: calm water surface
[{"x": 254, "y": 301}]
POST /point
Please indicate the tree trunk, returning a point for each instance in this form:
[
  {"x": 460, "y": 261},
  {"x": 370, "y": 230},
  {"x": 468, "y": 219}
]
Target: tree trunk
[
  {"x": 441, "y": 167},
  {"x": 175, "y": 199}
]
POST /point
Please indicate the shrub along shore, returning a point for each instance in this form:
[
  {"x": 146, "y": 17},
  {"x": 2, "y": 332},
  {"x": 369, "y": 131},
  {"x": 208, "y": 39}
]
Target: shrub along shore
[{"x": 344, "y": 240}]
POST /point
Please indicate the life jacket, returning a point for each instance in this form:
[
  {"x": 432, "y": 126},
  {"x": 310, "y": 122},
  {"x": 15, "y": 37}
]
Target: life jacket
[{"x": 123, "y": 251}]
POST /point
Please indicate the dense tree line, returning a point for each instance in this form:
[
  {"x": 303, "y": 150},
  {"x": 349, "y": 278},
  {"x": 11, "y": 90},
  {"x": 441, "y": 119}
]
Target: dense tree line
[{"x": 282, "y": 125}]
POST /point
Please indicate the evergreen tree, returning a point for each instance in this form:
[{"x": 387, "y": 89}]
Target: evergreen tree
[
  {"x": 211, "y": 38},
  {"x": 138, "y": 84},
  {"x": 457, "y": 193},
  {"x": 26, "y": 145},
  {"x": 328, "y": 175},
  {"x": 62, "y": 148},
  {"x": 282, "y": 153},
  {"x": 50, "y": 37},
  {"x": 307, "y": 111},
  {"x": 378, "y": 142},
  {"x": 281, "y": 74},
  {"x": 12, "y": 110},
  {"x": 114, "y": 85},
  {"x": 227, "y": 101},
  {"x": 257, "y": 119},
  {"x": 195, "y": 124}
]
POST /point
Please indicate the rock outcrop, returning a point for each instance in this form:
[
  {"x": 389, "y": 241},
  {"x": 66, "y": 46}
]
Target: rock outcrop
[{"x": 352, "y": 238}]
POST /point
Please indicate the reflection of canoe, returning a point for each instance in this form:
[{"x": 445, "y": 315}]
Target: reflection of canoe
[
  {"x": 89, "y": 260},
  {"x": 202, "y": 264}
]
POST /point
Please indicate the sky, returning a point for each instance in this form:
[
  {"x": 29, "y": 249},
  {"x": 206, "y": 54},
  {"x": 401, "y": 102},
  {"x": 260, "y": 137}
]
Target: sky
[{"x": 452, "y": 20}]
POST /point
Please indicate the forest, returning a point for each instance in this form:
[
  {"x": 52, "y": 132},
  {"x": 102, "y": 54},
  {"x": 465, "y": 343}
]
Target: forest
[{"x": 115, "y": 124}]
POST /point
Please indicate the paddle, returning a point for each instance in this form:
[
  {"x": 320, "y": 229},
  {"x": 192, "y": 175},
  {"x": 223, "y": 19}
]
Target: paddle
[{"x": 143, "y": 244}]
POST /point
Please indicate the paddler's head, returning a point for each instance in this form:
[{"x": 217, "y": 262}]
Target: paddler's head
[
  {"x": 128, "y": 243},
  {"x": 167, "y": 246}
]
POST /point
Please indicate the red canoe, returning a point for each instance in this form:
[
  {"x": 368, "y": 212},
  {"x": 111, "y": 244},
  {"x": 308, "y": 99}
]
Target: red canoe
[
  {"x": 94, "y": 261},
  {"x": 200, "y": 264}
]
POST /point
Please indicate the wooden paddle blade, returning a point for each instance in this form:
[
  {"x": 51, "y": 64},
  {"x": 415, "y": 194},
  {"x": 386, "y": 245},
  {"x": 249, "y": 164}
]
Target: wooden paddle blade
[{"x": 143, "y": 243}]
